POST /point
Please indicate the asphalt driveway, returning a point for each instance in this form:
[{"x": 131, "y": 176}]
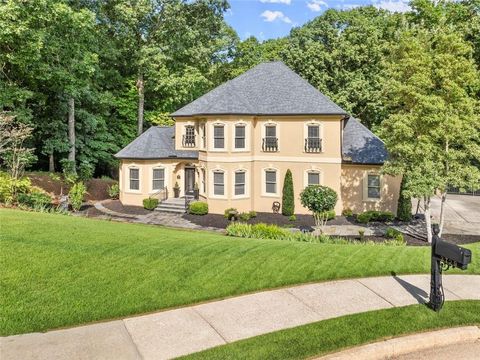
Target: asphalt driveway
[{"x": 462, "y": 213}]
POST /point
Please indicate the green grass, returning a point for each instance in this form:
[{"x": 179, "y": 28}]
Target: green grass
[
  {"x": 334, "y": 334},
  {"x": 63, "y": 270}
]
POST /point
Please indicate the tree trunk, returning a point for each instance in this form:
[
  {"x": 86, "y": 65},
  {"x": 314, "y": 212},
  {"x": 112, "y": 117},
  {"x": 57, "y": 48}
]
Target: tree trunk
[
  {"x": 141, "y": 102},
  {"x": 428, "y": 220},
  {"x": 418, "y": 207},
  {"x": 71, "y": 130},
  {"x": 442, "y": 213},
  {"x": 51, "y": 162}
]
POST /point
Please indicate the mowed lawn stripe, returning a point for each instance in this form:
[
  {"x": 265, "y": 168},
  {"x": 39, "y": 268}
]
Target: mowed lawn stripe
[{"x": 62, "y": 270}]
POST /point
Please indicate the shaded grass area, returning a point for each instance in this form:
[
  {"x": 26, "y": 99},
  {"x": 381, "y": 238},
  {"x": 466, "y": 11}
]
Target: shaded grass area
[
  {"x": 62, "y": 270},
  {"x": 347, "y": 331}
]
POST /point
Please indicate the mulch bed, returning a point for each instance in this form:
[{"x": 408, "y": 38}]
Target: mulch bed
[
  {"x": 116, "y": 205},
  {"x": 219, "y": 221},
  {"x": 97, "y": 189}
]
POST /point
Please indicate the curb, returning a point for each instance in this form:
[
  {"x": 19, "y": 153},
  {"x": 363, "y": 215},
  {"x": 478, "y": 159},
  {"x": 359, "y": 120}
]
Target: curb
[{"x": 407, "y": 344}]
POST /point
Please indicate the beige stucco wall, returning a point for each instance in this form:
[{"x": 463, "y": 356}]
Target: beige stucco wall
[
  {"x": 354, "y": 194},
  {"x": 346, "y": 180},
  {"x": 173, "y": 173}
]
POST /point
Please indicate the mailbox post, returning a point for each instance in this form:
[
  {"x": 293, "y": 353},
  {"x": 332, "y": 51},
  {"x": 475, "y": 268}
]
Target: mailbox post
[{"x": 444, "y": 256}]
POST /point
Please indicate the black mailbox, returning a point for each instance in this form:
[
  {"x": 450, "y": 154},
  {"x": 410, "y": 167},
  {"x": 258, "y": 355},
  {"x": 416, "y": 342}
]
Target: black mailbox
[{"x": 453, "y": 255}]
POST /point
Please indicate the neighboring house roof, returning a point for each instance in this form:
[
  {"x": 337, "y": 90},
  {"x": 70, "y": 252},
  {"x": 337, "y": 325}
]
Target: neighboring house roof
[
  {"x": 158, "y": 142},
  {"x": 270, "y": 88},
  {"x": 361, "y": 146}
]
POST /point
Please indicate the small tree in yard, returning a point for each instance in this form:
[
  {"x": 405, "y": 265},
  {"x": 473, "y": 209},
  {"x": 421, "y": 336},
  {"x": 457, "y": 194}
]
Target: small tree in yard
[
  {"x": 288, "y": 199},
  {"x": 404, "y": 208},
  {"x": 319, "y": 200}
]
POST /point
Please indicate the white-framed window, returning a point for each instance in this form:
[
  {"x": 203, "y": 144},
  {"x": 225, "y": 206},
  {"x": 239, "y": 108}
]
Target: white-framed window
[
  {"x": 158, "y": 178},
  {"x": 240, "y": 183},
  {"x": 240, "y": 131},
  {"x": 134, "y": 178},
  {"x": 270, "y": 181},
  {"x": 373, "y": 186},
  {"x": 218, "y": 183},
  {"x": 313, "y": 178},
  {"x": 313, "y": 137},
  {"x": 218, "y": 136},
  {"x": 189, "y": 136}
]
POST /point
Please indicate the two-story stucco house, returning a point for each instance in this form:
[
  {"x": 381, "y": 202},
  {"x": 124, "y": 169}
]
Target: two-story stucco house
[{"x": 237, "y": 142}]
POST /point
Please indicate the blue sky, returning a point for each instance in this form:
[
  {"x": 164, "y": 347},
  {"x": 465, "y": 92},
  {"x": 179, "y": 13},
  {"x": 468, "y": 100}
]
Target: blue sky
[{"x": 267, "y": 19}]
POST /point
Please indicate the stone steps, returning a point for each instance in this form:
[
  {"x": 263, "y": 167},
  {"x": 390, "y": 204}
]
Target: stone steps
[{"x": 174, "y": 205}]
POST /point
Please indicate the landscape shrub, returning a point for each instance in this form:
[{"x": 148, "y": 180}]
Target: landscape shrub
[
  {"x": 329, "y": 215},
  {"x": 347, "y": 212},
  {"x": 76, "y": 195},
  {"x": 292, "y": 218},
  {"x": 391, "y": 233},
  {"x": 85, "y": 170},
  {"x": 11, "y": 188},
  {"x": 198, "y": 208},
  {"x": 35, "y": 199},
  {"x": 114, "y": 191},
  {"x": 244, "y": 216},
  {"x": 372, "y": 215},
  {"x": 253, "y": 214},
  {"x": 288, "y": 198},
  {"x": 273, "y": 232},
  {"x": 231, "y": 214},
  {"x": 150, "y": 203}
]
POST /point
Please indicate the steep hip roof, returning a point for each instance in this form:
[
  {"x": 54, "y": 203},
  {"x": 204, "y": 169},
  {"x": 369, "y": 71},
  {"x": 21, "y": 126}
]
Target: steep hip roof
[
  {"x": 270, "y": 88},
  {"x": 361, "y": 146},
  {"x": 158, "y": 142}
]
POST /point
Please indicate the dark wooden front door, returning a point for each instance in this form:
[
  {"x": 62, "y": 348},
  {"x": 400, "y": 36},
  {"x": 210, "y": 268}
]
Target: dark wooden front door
[{"x": 189, "y": 180}]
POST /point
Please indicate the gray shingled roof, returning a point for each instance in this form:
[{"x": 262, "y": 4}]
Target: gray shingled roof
[
  {"x": 158, "y": 142},
  {"x": 270, "y": 88},
  {"x": 361, "y": 146}
]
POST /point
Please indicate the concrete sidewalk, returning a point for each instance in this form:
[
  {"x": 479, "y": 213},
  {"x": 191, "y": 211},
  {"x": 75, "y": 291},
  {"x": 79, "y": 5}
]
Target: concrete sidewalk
[{"x": 173, "y": 333}]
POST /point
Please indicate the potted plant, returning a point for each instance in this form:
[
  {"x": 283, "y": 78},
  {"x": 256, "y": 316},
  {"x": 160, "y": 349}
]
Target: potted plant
[
  {"x": 196, "y": 191},
  {"x": 176, "y": 190}
]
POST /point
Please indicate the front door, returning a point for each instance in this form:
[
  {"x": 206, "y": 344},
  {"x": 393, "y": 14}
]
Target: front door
[{"x": 189, "y": 180}]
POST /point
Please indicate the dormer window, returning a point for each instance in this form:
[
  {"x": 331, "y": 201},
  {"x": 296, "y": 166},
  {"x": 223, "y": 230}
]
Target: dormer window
[
  {"x": 313, "y": 143},
  {"x": 189, "y": 136}
]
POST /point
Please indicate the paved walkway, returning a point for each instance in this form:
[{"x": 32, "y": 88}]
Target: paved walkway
[
  {"x": 153, "y": 218},
  {"x": 173, "y": 333}
]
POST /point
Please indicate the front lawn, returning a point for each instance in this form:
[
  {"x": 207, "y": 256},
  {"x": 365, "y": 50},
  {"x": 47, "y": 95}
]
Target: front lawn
[{"x": 63, "y": 270}]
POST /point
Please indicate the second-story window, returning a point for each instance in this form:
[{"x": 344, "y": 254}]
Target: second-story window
[
  {"x": 239, "y": 136},
  {"x": 270, "y": 142},
  {"x": 313, "y": 143},
  {"x": 218, "y": 137},
  {"x": 189, "y": 137}
]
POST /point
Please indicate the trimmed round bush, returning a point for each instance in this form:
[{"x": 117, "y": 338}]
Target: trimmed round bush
[
  {"x": 198, "y": 208},
  {"x": 150, "y": 203},
  {"x": 320, "y": 200},
  {"x": 231, "y": 214}
]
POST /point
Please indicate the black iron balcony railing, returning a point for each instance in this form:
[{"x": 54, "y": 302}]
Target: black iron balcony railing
[
  {"x": 270, "y": 144},
  {"x": 188, "y": 141},
  {"x": 313, "y": 145}
]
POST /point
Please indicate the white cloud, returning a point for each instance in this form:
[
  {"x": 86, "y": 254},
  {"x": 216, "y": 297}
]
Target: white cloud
[
  {"x": 316, "y": 5},
  {"x": 270, "y": 16},
  {"x": 286, "y": 2},
  {"x": 393, "y": 5}
]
